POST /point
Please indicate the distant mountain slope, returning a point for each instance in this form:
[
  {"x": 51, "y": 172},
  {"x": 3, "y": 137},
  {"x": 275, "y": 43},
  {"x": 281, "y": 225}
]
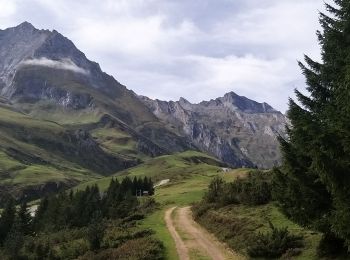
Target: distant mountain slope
[
  {"x": 44, "y": 74},
  {"x": 177, "y": 167},
  {"x": 37, "y": 156},
  {"x": 63, "y": 120},
  {"x": 235, "y": 129}
]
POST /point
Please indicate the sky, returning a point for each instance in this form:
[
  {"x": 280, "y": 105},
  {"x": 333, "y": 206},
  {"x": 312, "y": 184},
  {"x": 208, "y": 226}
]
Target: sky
[{"x": 196, "y": 49}]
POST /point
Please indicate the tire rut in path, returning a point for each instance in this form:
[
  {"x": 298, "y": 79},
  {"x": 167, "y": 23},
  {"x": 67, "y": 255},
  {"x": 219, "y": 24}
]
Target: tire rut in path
[
  {"x": 181, "y": 249},
  {"x": 200, "y": 239}
]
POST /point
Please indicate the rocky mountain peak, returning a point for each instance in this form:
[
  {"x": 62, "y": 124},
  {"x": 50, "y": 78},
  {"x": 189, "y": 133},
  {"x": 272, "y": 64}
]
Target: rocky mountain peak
[
  {"x": 244, "y": 104},
  {"x": 25, "y": 26},
  {"x": 184, "y": 100},
  {"x": 25, "y": 46},
  {"x": 235, "y": 129},
  {"x": 185, "y": 103}
]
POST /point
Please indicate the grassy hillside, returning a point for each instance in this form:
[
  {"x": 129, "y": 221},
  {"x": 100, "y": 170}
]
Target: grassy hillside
[
  {"x": 17, "y": 155},
  {"x": 69, "y": 98},
  {"x": 38, "y": 153},
  {"x": 178, "y": 168},
  {"x": 189, "y": 174}
]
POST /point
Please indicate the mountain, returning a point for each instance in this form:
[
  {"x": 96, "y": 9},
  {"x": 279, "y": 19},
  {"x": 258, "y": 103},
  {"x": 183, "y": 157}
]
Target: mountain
[
  {"x": 43, "y": 73},
  {"x": 63, "y": 120},
  {"x": 76, "y": 116},
  {"x": 233, "y": 128}
]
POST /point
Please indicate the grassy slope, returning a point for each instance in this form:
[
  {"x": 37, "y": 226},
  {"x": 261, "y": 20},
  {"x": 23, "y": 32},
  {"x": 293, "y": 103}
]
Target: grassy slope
[
  {"x": 35, "y": 165},
  {"x": 118, "y": 142},
  {"x": 189, "y": 178},
  {"x": 189, "y": 173},
  {"x": 179, "y": 168},
  {"x": 235, "y": 225},
  {"x": 46, "y": 120},
  {"x": 181, "y": 193}
]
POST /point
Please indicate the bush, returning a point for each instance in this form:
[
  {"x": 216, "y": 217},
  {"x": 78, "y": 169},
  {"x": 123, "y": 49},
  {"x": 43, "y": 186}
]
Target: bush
[
  {"x": 142, "y": 249},
  {"x": 275, "y": 243},
  {"x": 215, "y": 190},
  {"x": 331, "y": 246},
  {"x": 236, "y": 231},
  {"x": 199, "y": 209},
  {"x": 255, "y": 189}
]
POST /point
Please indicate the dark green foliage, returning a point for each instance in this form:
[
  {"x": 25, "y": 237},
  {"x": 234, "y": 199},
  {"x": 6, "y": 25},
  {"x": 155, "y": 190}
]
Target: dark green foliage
[
  {"x": 255, "y": 189},
  {"x": 7, "y": 219},
  {"x": 331, "y": 246},
  {"x": 77, "y": 209},
  {"x": 25, "y": 219},
  {"x": 215, "y": 190},
  {"x": 141, "y": 249},
  {"x": 96, "y": 231},
  {"x": 313, "y": 185},
  {"x": 142, "y": 186},
  {"x": 275, "y": 243},
  {"x": 68, "y": 225},
  {"x": 14, "y": 240}
]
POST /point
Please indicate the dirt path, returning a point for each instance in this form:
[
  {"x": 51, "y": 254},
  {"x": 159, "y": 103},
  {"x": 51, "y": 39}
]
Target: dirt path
[
  {"x": 195, "y": 239},
  {"x": 180, "y": 245}
]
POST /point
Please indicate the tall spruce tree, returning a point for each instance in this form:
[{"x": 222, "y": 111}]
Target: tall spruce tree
[
  {"x": 313, "y": 185},
  {"x": 24, "y": 219},
  {"x": 7, "y": 219}
]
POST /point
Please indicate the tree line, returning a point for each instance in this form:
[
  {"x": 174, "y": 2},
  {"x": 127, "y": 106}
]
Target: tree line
[
  {"x": 67, "y": 210},
  {"x": 313, "y": 185}
]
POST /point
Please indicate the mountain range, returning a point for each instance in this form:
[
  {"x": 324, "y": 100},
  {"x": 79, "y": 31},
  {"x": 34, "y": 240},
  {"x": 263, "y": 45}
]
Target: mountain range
[{"x": 63, "y": 120}]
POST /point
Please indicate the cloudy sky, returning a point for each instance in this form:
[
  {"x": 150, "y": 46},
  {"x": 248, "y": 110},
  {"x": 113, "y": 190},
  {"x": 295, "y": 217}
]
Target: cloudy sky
[{"x": 197, "y": 49}]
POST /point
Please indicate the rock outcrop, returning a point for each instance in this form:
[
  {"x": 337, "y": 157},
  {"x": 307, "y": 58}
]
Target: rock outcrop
[
  {"x": 235, "y": 129},
  {"x": 43, "y": 74}
]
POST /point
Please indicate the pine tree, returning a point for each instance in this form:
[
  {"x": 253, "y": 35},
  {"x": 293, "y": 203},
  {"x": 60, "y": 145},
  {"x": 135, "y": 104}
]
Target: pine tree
[
  {"x": 96, "y": 230},
  {"x": 135, "y": 186},
  {"x": 25, "y": 219},
  {"x": 14, "y": 240},
  {"x": 7, "y": 219},
  {"x": 39, "y": 218},
  {"x": 312, "y": 186},
  {"x": 150, "y": 187}
]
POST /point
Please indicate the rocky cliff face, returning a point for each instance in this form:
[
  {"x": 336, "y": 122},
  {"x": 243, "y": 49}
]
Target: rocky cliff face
[
  {"x": 43, "y": 74},
  {"x": 24, "y": 47},
  {"x": 235, "y": 129}
]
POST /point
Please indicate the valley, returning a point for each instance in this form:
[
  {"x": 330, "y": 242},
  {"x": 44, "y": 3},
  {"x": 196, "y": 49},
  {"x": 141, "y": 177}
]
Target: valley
[
  {"x": 189, "y": 175},
  {"x": 91, "y": 170}
]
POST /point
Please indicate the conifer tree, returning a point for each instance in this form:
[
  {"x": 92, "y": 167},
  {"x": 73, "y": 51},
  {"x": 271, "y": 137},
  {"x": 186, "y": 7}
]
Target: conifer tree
[
  {"x": 7, "y": 219},
  {"x": 313, "y": 185},
  {"x": 14, "y": 240},
  {"x": 25, "y": 219}
]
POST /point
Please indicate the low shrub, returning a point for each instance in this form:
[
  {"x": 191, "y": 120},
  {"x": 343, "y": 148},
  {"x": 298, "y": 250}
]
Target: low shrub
[
  {"x": 236, "y": 231},
  {"x": 142, "y": 249},
  {"x": 254, "y": 189},
  {"x": 274, "y": 244},
  {"x": 331, "y": 246},
  {"x": 199, "y": 209}
]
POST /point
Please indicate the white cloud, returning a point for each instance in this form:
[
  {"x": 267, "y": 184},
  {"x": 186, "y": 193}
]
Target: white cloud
[
  {"x": 196, "y": 49},
  {"x": 65, "y": 64},
  {"x": 7, "y": 8}
]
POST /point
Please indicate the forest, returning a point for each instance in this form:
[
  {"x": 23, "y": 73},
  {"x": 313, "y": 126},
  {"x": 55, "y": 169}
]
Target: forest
[
  {"x": 85, "y": 224},
  {"x": 311, "y": 187}
]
